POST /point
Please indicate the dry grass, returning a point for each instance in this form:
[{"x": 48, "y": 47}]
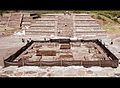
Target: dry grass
[
  {"x": 107, "y": 24},
  {"x": 7, "y": 31}
]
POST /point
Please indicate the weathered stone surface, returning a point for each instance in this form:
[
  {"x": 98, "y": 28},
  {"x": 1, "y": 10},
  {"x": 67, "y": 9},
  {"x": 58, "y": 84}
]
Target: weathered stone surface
[
  {"x": 4, "y": 76},
  {"x": 95, "y": 68},
  {"x": 101, "y": 74},
  {"x": 117, "y": 74},
  {"x": 57, "y": 71},
  {"x": 70, "y": 71},
  {"x": 117, "y": 70},
  {"x": 18, "y": 74},
  {"x": 81, "y": 72},
  {"x": 40, "y": 74},
  {"x": 1, "y": 67},
  {"x": 30, "y": 72},
  {"x": 28, "y": 68},
  {"x": 8, "y": 72},
  {"x": 10, "y": 68},
  {"x": 89, "y": 72}
]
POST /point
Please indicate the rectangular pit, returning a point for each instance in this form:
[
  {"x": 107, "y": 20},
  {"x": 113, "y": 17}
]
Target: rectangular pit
[{"x": 60, "y": 52}]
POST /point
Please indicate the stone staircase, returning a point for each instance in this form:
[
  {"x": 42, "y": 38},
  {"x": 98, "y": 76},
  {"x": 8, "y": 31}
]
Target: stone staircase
[
  {"x": 65, "y": 26},
  {"x": 87, "y": 27},
  {"x": 44, "y": 26},
  {"x": 4, "y": 20},
  {"x": 15, "y": 20},
  {"x": 62, "y": 25},
  {"x": 26, "y": 21},
  {"x": 12, "y": 20}
]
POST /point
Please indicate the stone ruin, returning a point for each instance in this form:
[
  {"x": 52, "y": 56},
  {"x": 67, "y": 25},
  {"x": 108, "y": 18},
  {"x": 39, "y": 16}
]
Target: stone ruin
[
  {"x": 69, "y": 25},
  {"x": 11, "y": 20},
  {"x": 63, "y": 25},
  {"x": 85, "y": 53},
  {"x": 71, "y": 40}
]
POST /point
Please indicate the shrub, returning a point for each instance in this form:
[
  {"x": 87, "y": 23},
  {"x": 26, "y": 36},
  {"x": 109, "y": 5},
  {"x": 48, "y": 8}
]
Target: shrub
[
  {"x": 100, "y": 18},
  {"x": 116, "y": 19}
]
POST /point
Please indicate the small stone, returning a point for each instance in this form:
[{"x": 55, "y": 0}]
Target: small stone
[
  {"x": 30, "y": 72},
  {"x": 89, "y": 72},
  {"x": 41, "y": 73},
  {"x": 117, "y": 74},
  {"x": 57, "y": 73},
  {"x": 70, "y": 75},
  {"x": 81, "y": 73},
  {"x": 70, "y": 72},
  {"x": 4, "y": 76},
  {"x": 48, "y": 74},
  {"x": 101, "y": 74},
  {"x": 95, "y": 68},
  {"x": 18, "y": 74},
  {"x": 8, "y": 72},
  {"x": 1, "y": 67}
]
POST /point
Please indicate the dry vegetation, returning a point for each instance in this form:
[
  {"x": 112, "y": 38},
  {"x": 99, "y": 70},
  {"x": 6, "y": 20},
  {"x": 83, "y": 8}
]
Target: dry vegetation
[
  {"x": 109, "y": 20},
  {"x": 7, "y": 31}
]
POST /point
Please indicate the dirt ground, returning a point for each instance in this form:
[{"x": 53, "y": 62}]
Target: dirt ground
[{"x": 8, "y": 46}]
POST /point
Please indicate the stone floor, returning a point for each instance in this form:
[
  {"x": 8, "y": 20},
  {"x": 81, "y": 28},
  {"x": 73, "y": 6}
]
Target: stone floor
[{"x": 56, "y": 71}]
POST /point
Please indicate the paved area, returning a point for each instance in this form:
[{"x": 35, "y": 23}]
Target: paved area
[
  {"x": 9, "y": 45},
  {"x": 56, "y": 71},
  {"x": 115, "y": 47}
]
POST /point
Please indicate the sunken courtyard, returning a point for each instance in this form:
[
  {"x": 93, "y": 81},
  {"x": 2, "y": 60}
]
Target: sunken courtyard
[{"x": 65, "y": 39}]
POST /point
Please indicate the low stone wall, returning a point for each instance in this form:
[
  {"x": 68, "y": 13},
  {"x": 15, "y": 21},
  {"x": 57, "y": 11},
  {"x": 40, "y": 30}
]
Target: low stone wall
[
  {"x": 103, "y": 63},
  {"x": 46, "y": 53}
]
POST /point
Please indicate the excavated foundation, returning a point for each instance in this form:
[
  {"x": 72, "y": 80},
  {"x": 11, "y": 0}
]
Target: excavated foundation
[{"x": 63, "y": 52}]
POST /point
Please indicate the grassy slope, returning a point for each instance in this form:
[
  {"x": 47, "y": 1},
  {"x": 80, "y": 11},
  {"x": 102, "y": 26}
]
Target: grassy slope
[{"x": 108, "y": 24}]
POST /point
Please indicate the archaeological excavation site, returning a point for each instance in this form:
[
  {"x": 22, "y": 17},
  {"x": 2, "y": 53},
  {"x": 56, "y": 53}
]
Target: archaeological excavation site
[
  {"x": 58, "y": 39},
  {"x": 63, "y": 52}
]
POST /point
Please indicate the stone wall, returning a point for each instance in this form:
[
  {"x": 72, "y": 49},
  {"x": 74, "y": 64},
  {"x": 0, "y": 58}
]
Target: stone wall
[{"x": 11, "y": 20}]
